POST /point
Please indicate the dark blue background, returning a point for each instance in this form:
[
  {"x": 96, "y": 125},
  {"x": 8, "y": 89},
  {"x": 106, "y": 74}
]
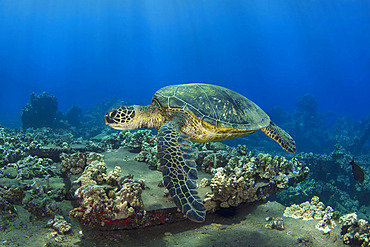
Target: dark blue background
[{"x": 273, "y": 52}]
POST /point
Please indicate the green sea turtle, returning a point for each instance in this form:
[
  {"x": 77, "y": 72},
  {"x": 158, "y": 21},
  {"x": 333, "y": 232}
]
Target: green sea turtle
[{"x": 194, "y": 113}]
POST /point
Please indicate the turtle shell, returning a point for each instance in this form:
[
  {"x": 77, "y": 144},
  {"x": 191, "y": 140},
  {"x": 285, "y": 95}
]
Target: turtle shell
[{"x": 218, "y": 106}]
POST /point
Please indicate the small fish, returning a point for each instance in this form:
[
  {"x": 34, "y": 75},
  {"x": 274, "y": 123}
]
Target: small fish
[{"x": 357, "y": 171}]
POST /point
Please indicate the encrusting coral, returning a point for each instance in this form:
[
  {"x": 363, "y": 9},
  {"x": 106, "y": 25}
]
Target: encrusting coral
[
  {"x": 313, "y": 210},
  {"x": 59, "y": 224},
  {"x": 75, "y": 163},
  {"x": 355, "y": 231},
  {"x": 105, "y": 198},
  {"x": 128, "y": 200},
  {"x": 247, "y": 178}
]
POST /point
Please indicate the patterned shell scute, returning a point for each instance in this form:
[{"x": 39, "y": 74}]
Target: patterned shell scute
[{"x": 215, "y": 105}]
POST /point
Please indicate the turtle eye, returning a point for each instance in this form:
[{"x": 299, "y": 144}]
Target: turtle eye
[
  {"x": 110, "y": 116},
  {"x": 113, "y": 114}
]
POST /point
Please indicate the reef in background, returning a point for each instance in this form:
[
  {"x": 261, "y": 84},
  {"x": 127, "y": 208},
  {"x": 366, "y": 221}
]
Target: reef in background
[
  {"x": 331, "y": 178},
  {"x": 46, "y": 166}
]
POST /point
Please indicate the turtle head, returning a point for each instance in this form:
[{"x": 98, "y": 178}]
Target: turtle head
[{"x": 123, "y": 118}]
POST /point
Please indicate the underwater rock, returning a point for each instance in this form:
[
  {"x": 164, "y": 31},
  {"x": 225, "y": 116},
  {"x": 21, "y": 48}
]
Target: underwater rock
[
  {"x": 40, "y": 205},
  {"x": 11, "y": 147},
  {"x": 215, "y": 146},
  {"x": 114, "y": 140},
  {"x": 13, "y": 195},
  {"x": 10, "y": 197},
  {"x": 277, "y": 224},
  {"x": 74, "y": 116},
  {"x": 40, "y": 112},
  {"x": 5, "y": 206},
  {"x": 356, "y": 232},
  {"x": 59, "y": 224},
  {"x": 10, "y": 171},
  {"x": 363, "y": 136},
  {"x": 308, "y": 104}
]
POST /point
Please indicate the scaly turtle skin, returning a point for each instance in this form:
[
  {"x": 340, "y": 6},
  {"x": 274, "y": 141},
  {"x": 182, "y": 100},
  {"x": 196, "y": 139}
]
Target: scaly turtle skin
[{"x": 194, "y": 113}]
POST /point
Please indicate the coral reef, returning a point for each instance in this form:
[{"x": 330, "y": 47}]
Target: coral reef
[
  {"x": 29, "y": 158},
  {"x": 148, "y": 154},
  {"x": 356, "y": 232},
  {"x": 246, "y": 178},
  {"x": 313, "y": 210},
  {"x": 40, "y": 112},
  {"x": 10, "y": 197},
  {"x": 307, "y": 210},
  {"x": 327, "y": 223},
  {"x": 128, "y": 200},
  {"x": 13, "y": 195},
  {"x": 106, "y": 198},
  {"x": 331, "y": 178},
  {"x": 40, "y": 205},
  {"x": 134, "y": 141},
  {"x": 75, "y": 163},
  {"x": 29, "y": 167},
  {"x": 142, "y": 142},
  {"x": 94, "y": 173},
  {"x": 59, "y": 224}
]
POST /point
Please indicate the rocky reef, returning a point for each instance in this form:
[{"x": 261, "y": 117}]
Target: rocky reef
[
  {"x": 45, "y": 166},
  {"x": 75, "y": 163},
  {"x": 331, "y": 178},
  {"x": 59, "y": 224},
  {"x": 355, "y": 231},
  {"x": 101, "y": 203},
  {"x": 49, "y": 165},
  {"x": 313, "y": 210},
  {"x": 319, "y": 132},
  {"x": 40, "y": 112},
  {"x": 250, "y": 177}
]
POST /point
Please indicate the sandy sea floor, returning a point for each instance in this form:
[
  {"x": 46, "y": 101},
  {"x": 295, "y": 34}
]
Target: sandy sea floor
[
  {"x": 241, "y": 226},
  {"x": 244, "y": 226}
]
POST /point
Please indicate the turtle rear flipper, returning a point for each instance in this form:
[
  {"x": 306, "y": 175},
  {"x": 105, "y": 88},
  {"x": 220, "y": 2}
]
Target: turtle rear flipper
[
  {"x": 280, "y": 136},
  {"x": 179, "y": 170}
]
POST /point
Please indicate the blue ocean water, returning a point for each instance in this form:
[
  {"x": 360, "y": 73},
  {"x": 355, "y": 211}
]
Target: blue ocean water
[
  {"x": 273, "y": 52},
  {"x": 304, "y": 62}
]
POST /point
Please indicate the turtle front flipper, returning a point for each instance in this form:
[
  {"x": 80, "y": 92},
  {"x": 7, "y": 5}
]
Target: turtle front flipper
[
  {"x": 280, "y": 136},
  {"x": 179, "y": 170}
]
